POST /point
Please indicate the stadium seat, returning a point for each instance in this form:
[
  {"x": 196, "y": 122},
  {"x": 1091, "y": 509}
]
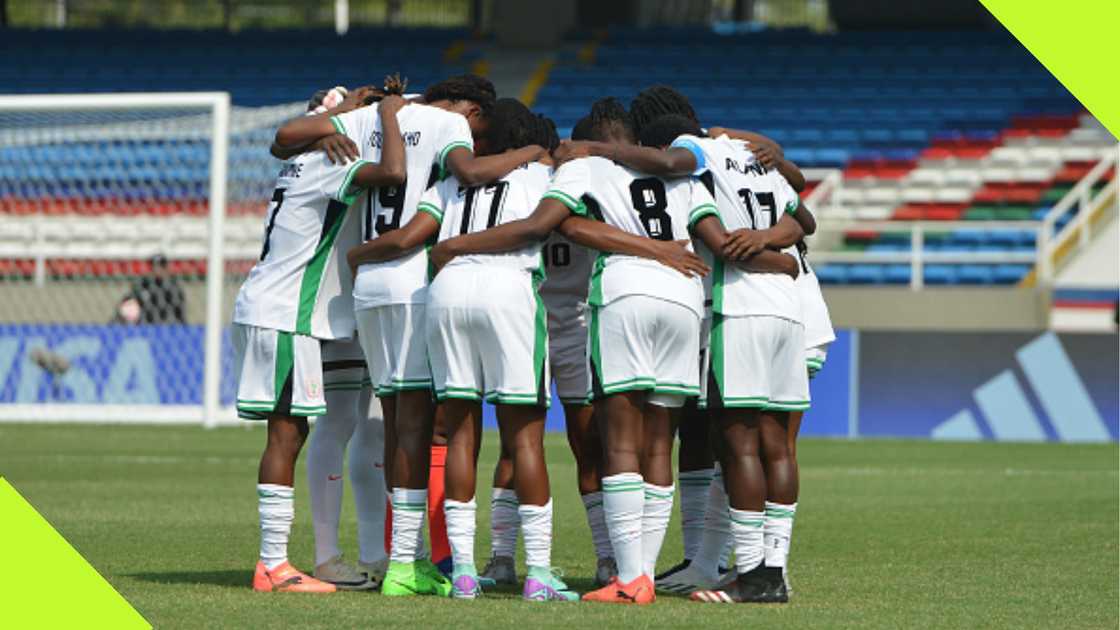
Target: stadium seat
[{"x": 931, "y": 126}]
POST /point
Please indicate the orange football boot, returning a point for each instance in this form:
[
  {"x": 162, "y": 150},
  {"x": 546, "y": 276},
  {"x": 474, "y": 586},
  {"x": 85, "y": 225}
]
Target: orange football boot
[
  {"x": 287, "y": 579},
  {"x": 638, "y": 591}
]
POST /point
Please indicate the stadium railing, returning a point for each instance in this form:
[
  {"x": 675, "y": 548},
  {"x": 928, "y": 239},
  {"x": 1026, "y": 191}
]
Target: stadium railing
[
  {"x": 1051, "y": 234},
  {"x": 1080, "y": 201}
]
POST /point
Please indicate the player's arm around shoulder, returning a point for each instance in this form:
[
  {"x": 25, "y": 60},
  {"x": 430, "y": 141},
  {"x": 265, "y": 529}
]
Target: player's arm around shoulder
[
  {"x": 423, "y": 226},
  {"x": 607, "y": 238},
  {"x": 767, "y": 151},
  {"x": 711, "y": 231},
  {"x": 472, "y": 170},
  {"x": 301, "y": 131},
  {"x": 390, "y": 171},
  {"x": 502, "y": 238},
  {"x": 706, "y": 225},
  {"x": 674, "y": 161}
]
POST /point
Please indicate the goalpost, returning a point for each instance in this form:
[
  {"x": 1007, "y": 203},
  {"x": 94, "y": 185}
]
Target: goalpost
[{"x": 112, "y": 205}]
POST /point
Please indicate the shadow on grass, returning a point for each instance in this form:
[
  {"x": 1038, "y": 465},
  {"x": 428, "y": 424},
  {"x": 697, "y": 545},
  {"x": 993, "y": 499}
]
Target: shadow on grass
[{"x": 232, "y": 577}]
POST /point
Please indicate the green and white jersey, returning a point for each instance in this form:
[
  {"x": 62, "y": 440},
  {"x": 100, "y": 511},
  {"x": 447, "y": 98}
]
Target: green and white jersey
[
  {"x": 429, "y": 135},
  {"x": 814, "y": 311},
  {"x": 569, "y": 270},
  {"x": 464, "y": 210},
  {"x": 302, "y": 284},
  {"x": 639, "y": 204},
  {"x": 749, "y": 196}
]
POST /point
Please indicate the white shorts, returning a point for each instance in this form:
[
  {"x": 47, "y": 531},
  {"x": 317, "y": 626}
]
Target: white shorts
[
  {"x": 396, "y": 349},
  {"x": 756, "y": 361},
  {"x": 815, "y": 357},
  {"x": 344, "y": 365},
  {"x": 279, "y": 373},
  {"x": 488, "y": 336},
  {"x": 640, "y": 342},
  {"x": 567, "y": 354}
]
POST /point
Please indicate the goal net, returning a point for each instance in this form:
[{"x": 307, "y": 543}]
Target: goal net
[{"x": 127, "y": 223}]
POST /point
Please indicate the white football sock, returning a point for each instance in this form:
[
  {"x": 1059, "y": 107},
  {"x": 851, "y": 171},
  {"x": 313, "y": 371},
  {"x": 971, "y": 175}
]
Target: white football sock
[
  {"x": 623, "y": 505},
  {"x": 325, "y": 453},
  {"x": 779, "y": 530},
  {"x": 717, "y": 531},
  {"x": 656, "y": 512},
  {"x": 747, "y": 532},
  {"x": 504, "y": 522},
  {"x": 593, "y": 504},
  {"x": 276, "y": 507},
  {"x": 367, "y": 479},
  {"x": 409, "y": 507},
  {"x": 694, "y": 497},
  {"x": 725, "y": 557},
  {"x": 460, "y": 532},
  {"x": 536, "y": 529}
]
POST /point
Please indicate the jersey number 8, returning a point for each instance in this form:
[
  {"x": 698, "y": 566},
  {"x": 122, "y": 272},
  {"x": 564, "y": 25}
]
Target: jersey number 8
[{"x": 648, "y": 197}]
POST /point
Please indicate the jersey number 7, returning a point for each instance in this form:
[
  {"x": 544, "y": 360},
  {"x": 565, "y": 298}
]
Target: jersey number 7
[{"x": 756, "y": 202}]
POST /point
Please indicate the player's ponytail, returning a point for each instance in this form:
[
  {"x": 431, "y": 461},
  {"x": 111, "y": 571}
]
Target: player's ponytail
[{"x": 395, "y": 84}]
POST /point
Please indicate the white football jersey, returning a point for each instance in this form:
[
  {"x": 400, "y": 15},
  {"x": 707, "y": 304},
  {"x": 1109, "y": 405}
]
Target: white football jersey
[
  {"x": 638, "y": 204},
  {"x": 429, "y": 135},
  {"x": 569, "y": 270},
  {"x": 465, "y": 210},
  {"x": 747, "y": 196},
  {"x": 814, "y": 311},
  {"x": 302, "y": 284}
]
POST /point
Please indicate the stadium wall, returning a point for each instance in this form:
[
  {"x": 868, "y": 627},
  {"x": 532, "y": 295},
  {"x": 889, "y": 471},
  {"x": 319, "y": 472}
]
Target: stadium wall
[
  {"x": 938, "y": 309},
  {"x": 939, "y": 385}
]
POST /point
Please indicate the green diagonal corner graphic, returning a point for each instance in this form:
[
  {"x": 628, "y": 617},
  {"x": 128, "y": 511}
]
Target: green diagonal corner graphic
[
  {"x": 46, "y": 583},
  {"x": 1076, "y": 42}
]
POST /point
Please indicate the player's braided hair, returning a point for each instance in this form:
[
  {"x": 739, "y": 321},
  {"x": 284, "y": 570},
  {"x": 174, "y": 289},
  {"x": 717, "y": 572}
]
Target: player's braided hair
[
  {"x": 512, "y": 125},
  {"x": 608, "y": 119},
  {"x": 664, "y": 129},
  {"x": 657, "y": 101},
  {"x": 545, "y": 132},
  {"x": 583, "y": 130},
  {"x": 465, "y": 87}
]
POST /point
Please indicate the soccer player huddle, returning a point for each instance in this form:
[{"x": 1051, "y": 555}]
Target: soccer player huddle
[{"x": 446, "y": 249}]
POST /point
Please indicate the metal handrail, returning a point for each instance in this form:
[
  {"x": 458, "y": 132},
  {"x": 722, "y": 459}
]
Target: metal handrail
[{"x": 1046, "y": 241}]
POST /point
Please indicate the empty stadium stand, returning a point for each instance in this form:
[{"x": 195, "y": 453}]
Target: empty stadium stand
[
  {"x": 926, "y": 127},
  {"x": 255, "y": 67},
  {"x": 960, "y": 136}
]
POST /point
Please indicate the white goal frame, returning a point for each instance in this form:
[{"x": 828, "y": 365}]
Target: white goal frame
[{"x": 210, "y": 412}]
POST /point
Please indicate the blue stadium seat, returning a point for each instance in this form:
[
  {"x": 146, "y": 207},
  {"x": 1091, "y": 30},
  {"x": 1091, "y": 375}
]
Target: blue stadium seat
[
  {"x": 866, "y": 274},
  {"x": 939, "y": 275},
  {"x": 897, "y": 274},
  {"x": 832, "y": 273},
  {"x": 1009, "y": 274},
  {"x": 975, "y": 274}
]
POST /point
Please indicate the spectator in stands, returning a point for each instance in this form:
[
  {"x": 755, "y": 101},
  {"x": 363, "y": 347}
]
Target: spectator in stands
[{"x": 159, "y": 295}]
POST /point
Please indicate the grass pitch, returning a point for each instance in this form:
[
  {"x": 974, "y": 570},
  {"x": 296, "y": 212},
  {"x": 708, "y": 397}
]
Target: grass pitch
[{"x": 888, "y": 534}]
